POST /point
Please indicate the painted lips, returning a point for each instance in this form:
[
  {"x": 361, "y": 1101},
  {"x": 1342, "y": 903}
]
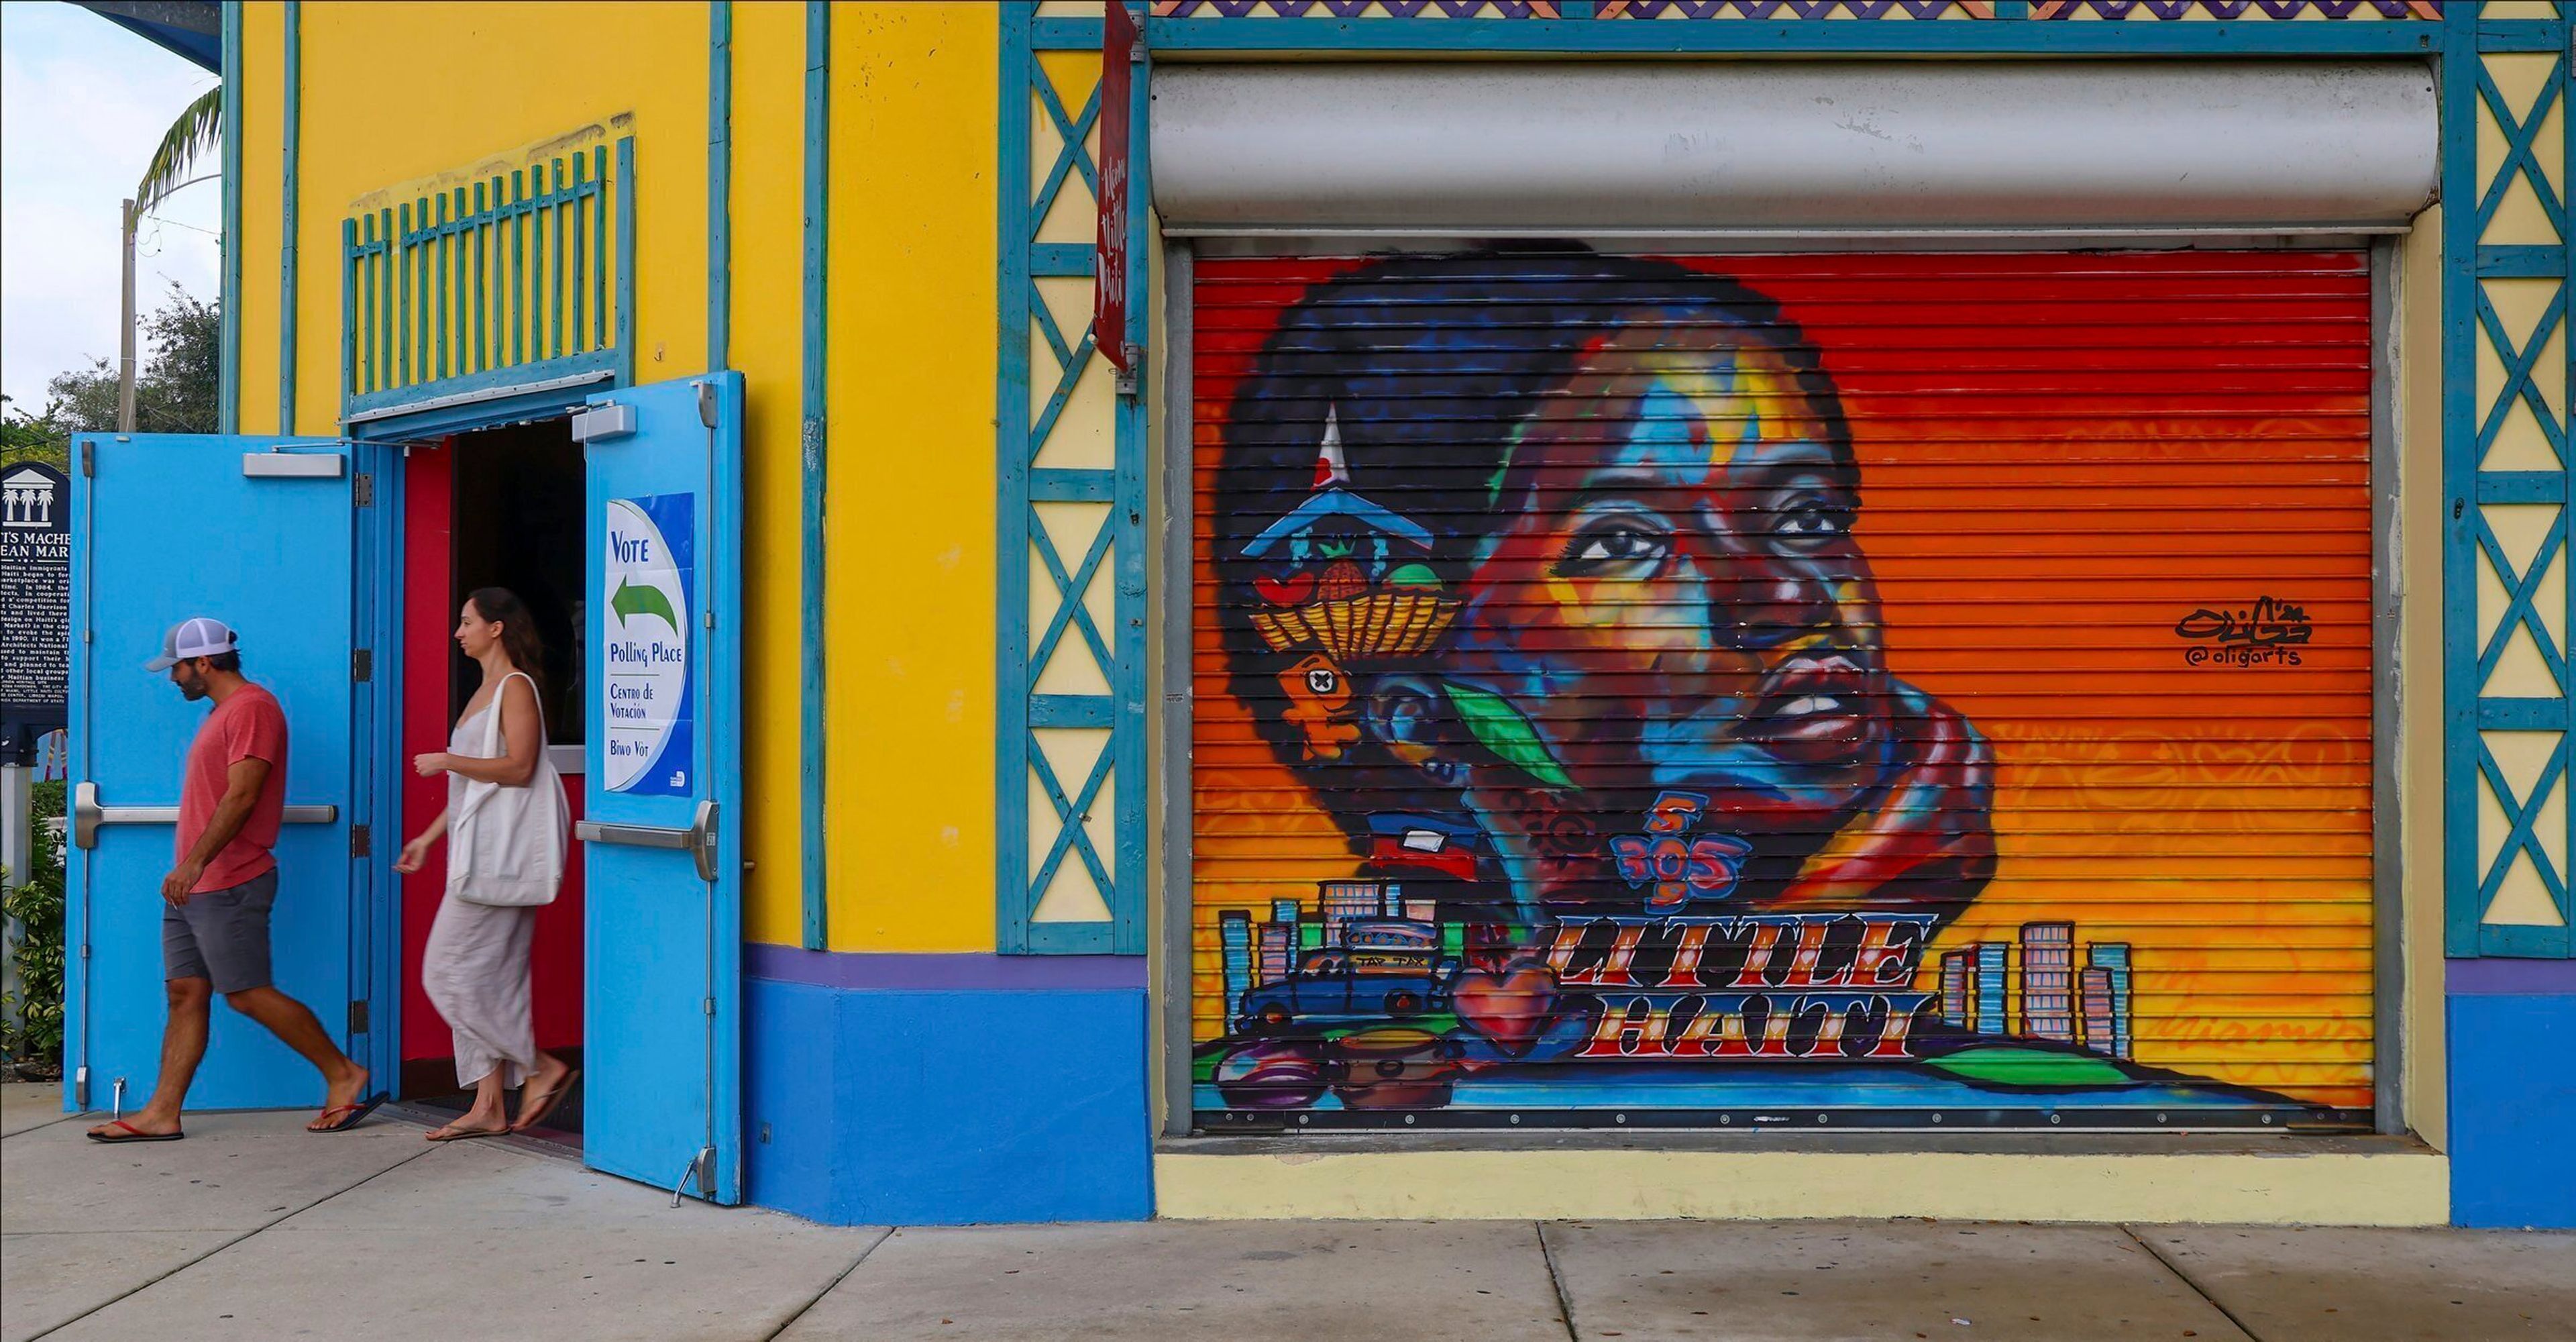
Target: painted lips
[{"x": 1815, "y": 708}]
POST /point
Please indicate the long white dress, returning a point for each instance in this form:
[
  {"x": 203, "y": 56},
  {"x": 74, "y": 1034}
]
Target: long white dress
[{"x": 475, "y": 966}]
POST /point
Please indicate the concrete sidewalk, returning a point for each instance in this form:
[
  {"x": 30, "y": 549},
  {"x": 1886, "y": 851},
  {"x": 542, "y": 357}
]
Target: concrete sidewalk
[{"x": 253, "y": 1229}]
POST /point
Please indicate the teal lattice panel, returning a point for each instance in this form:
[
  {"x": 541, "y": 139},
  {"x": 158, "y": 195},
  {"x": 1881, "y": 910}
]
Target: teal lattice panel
[
  {"x": 2506, "y": 467},
  {"x": 1070, "y": 777},
  {"x": 519, "y": 278}
]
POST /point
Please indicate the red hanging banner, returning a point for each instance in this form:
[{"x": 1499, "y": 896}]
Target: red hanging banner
[{"x": 1119, "y": 42}]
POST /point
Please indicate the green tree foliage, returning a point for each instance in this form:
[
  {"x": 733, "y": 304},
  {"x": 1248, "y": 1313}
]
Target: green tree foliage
[
  {"x": 31, "y": 437},
  {"x": 31, "y": 1019},
  {"x": 194, "y": 135},
  {"x": 175, "y": 385}
]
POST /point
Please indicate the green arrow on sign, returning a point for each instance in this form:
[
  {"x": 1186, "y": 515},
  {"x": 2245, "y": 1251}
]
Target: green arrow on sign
[{"x": 631, "y": 601}]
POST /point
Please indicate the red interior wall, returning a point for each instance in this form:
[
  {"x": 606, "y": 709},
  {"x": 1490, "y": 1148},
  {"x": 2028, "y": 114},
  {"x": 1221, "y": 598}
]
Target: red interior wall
[{"x": 429, "y": 623}]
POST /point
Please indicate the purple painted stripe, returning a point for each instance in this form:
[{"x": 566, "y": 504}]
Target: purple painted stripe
[
  {"x": 936, "y": 973},
  {"x": 2499, "y": 975}
]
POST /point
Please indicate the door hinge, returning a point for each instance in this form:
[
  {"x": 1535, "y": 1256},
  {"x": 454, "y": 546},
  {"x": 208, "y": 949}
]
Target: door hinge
[
  {"x": 708, "y": 1005},
  {"x": 358, "y": 1016},
  {"x": 707, "y": 404},
  {"x": 362, "y": 490},
  {"x": 362, "y": 664},
  {"x": 89, "y": 459},
  {"x": 362, "y": 841}
]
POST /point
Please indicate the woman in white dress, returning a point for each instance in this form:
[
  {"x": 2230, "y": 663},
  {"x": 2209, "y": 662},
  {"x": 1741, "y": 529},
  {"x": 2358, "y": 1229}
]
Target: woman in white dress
[{"x": 475, "y": 966}]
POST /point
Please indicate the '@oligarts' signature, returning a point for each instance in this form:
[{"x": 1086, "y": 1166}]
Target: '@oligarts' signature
[{"x": 2265, "y": 633}]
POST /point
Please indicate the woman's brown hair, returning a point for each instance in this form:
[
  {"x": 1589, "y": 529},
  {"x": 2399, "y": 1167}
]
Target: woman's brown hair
[{"x": 500, "y": 605}]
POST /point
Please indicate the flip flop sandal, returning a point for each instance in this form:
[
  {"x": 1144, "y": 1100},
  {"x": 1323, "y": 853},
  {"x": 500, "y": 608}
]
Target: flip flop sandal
[
  {"x": 352, "y": 1114},
  {"x": 531, "y": 1115},
  {"x": 132, "y": 1134},
  {"x": 467, "y": 1134}
]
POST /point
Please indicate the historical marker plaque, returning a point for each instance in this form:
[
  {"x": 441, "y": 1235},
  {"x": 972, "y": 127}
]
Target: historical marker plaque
[{"x": 35, "y": 597}]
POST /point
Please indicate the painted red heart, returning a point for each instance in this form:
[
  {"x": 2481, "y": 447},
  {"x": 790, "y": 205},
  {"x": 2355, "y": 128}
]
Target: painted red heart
[
  {"x": 1511, "y": 1007},
  {"x": 1292, "y": 590}
]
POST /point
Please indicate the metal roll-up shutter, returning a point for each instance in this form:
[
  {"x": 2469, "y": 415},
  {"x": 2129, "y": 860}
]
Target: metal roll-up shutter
[{"x": 1836, "y": 688}]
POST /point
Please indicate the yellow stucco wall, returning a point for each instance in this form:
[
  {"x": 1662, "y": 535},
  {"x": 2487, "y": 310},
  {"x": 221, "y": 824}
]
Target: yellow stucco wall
[
  {"x": 914, "y": 243},
  {"x": 910, "y": 373},
  {"x": 767, "y": 343},
  {"x": 417, "y": 94}
]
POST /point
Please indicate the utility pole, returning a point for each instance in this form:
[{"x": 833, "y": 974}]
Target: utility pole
[{"x": 125, "y": 332}]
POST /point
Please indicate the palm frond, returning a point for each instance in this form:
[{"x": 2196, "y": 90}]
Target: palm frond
[{"x": 197, "y": 130}]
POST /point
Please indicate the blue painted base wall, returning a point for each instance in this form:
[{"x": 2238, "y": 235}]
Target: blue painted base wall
[
  {"x": 2513, "y": 1109},
  {"x": 946, "y": 1107}
]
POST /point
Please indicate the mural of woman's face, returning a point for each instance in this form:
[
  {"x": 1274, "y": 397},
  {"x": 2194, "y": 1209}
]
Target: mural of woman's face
[{"x": 1678, "y": 605}]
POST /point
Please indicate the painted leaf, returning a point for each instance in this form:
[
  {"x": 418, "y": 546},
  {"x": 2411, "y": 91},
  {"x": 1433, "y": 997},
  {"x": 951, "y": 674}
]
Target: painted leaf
[{"x": 1502, "y": 730}]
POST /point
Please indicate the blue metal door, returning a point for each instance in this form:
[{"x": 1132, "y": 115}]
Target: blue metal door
[
  {"x": 663, "y": 806},
  {"x": 265, "y": 535}
]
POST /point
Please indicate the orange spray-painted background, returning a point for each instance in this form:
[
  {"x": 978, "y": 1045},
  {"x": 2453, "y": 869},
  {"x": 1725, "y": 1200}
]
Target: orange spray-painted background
[{"x": 2098, "y": 447}]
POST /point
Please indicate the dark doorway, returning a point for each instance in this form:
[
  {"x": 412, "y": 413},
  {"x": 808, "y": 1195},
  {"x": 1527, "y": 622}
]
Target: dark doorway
[{"x": 499, "y": 507}]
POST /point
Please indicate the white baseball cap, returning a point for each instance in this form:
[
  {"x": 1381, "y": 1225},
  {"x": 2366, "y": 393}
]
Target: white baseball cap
[{"x": 197, "y": 637}]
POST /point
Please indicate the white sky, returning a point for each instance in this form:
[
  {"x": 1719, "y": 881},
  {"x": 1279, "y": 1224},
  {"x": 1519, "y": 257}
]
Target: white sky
[{"x": 82, "y": 103}]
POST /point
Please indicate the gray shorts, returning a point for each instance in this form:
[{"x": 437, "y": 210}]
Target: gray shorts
[{"x": 221, "y": 935}]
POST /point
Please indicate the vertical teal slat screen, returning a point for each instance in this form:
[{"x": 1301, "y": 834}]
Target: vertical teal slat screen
[
  {"x": 464, "y": 288},
  {"x": 2509, "y": 281},
  {"x": 1071, "y": 718}
]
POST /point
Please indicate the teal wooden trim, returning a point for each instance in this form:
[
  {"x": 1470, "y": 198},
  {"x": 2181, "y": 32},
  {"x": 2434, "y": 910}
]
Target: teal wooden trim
[
  {"x": 483, "y": 304},
  {"x": 719, "y": 183},
  {"x": 293, "y": 113},
  {"x": 1064, "y": 34},
  {"x": 567, "y": 230},
  {"x": 2460, "y": 743},
  {"x": 814, "y": 432},
  {"x": 599, "y": 248},
  {"x": 1030, "y": 855},
  {"x": 625, "y": 342},
  {"x": 398, "y": 330},
  {"x": 544, "y": 370},
  {"x": 537, "y": 264},
  {"x": 1776, "y": 37},
  {"x": 2472, "y": 425},
  {"x": 582, "y": 374},
  {"x": 349, "y": 324},
  {"x": 1068, "y": 939},
  {"x": 1070, "y": 710},
  {"x": 228, "y": 386},
  {"x": 581, "y": 241},
  {"x": 445, "y": 281},
  {"x": 1126, "y": 895},
  {"x": 519, "y": 271},
  {"x": 1012, "y": 903},
  {"x": 482, "y": 285},
  {"x": 1071, "y": 485}
]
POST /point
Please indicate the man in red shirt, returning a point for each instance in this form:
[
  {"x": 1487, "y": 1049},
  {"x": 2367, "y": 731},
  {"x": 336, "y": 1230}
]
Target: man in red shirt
[{"x": 214, "y": 934}]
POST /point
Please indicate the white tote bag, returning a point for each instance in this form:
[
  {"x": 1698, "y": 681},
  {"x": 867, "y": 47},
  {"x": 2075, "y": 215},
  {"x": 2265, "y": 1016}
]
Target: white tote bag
[{"x": 506, "y": 845}]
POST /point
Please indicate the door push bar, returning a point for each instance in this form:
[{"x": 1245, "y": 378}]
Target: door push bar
[
  {"x": 88, "y": 815},
  {"x": 699, "y": 839}
]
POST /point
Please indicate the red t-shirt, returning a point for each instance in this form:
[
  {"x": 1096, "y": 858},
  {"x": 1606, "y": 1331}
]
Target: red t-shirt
[{"x": 247, "y": 726}]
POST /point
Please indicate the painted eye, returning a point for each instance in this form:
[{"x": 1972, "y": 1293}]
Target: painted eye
[
  {"x": 1620, "y": 547},
  {"x": 1808, "y": 521}
]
